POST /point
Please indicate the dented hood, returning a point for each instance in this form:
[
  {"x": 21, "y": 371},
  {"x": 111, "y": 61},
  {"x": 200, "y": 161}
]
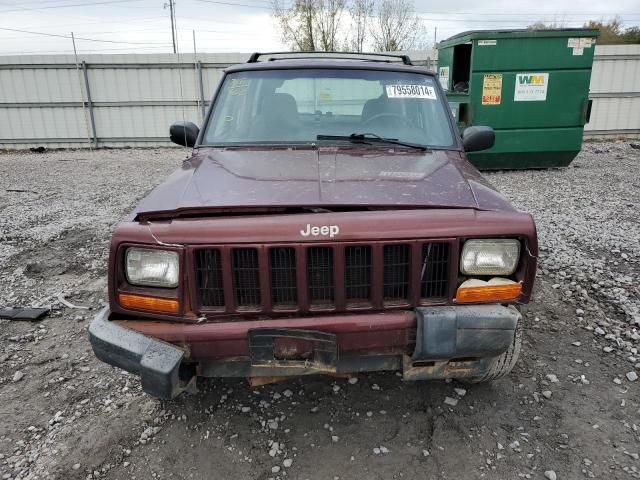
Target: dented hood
[{"x": 229, "y": 178}]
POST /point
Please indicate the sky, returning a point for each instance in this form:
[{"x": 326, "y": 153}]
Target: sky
[{"x": 143, "y": 26}]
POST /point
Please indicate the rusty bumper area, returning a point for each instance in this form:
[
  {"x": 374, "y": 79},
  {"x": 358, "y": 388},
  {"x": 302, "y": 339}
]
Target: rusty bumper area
[
  {"x": 426, "y": 343},
  {"x": 157, "y": 363},
  {"x": 460, "y": 341}
]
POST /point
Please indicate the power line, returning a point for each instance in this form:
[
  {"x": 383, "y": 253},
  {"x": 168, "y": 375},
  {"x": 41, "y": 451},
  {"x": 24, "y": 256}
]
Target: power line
[
  {"x": 228, "y": 32},
  {"x": 102, "y": 22},
  {"x": 510, "y": 21},
  {"x": 144, "y": 30},
  {"x": 233, "y": 4},
  {"x": 527, "y": 14},
  {"x": 80, "y": 38},
  {"x": 136, "y": 20},
  {"x": 70, "y": 50},
  {"x": 463, "y": 20},
  {"x": 21, "y": 9},
  {"x": 217, "y": 22},
  {"x": 30, "y": 3}
]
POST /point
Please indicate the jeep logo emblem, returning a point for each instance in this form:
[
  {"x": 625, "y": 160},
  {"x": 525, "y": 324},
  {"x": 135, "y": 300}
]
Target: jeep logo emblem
[{"x": 314, "y": 231}]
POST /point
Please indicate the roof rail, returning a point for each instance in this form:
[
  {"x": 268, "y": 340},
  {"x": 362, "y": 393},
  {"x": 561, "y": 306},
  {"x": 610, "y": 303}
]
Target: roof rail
[{"x": 254, "y": 58}]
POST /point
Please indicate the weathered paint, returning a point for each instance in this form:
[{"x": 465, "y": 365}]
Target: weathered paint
[
  {"x": 217, "y": 179},
  {"x": 386, "y": 331},
  {"x": 267, "y": 195}
]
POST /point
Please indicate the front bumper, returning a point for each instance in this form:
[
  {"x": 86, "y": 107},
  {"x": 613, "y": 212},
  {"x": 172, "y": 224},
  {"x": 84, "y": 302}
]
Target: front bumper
[
  {"x": 450, "y": 342},
  {"x": 156, "y": 362}
]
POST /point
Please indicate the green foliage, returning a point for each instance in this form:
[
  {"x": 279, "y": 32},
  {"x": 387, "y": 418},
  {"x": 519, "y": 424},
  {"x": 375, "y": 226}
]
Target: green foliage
[{"x": 611, "y": 32}]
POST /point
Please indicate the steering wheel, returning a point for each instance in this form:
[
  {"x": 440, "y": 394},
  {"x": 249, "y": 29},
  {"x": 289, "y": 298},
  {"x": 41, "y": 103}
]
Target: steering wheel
[{"x": 378, "y": 116}]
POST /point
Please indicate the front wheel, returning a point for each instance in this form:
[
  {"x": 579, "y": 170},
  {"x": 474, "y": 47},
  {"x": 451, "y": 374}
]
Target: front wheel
[{"x": 503, "y": 364}]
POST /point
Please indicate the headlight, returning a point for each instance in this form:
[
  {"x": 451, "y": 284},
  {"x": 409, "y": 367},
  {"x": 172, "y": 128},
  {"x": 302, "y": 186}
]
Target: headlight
[
  {"x": 153, "y": 268},
  {"x": 490, "y": 257}
]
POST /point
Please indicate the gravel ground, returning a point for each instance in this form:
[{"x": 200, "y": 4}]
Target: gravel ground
[{"x": 570, "y": 409}]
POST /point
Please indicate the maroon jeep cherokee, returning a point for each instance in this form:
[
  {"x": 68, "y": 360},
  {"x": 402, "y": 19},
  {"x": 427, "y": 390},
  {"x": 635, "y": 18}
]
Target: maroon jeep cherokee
[{"x": 328, "y": 221}]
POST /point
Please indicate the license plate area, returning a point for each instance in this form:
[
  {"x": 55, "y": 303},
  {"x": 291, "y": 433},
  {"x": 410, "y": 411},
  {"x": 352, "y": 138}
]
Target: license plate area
[{"x": 293, "y": 348}]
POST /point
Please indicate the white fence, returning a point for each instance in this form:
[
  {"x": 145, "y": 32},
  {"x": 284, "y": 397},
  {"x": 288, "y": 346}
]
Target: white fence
[
  {"x": 615, "y": 90},
  {"x": 130, "y": 100},
  {"x": 108, "y": 100},
  {"x": 104, "y": 100}
]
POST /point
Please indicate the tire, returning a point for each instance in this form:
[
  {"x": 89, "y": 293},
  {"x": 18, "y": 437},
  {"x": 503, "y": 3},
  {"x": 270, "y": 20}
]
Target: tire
[{"x": 503, "y": 364}]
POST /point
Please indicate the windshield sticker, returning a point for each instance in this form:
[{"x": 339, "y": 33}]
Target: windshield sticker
[
  {"x": 492, "y": 89},
  {"x": 239, "y": 87},
  {"x": 411, "y": 91},
  {"x": 531, "y": 87}
]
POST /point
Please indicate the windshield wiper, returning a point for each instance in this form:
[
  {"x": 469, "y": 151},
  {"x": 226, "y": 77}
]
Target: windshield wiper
[{"x": 367, "y": 138}]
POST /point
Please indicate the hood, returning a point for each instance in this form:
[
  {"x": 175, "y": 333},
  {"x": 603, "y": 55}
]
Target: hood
[{"x": 242, "y": 178}]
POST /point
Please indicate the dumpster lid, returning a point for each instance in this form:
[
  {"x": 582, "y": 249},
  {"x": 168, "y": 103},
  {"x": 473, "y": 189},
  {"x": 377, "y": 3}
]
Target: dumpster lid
[{"x": 469, "y": 35}]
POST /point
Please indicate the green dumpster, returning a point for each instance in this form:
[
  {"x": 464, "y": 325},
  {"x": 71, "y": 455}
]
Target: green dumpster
[{"x": 531, "y": 86}]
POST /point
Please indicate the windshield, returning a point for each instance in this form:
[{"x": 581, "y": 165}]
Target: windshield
[{"x": 294, "y": 106}]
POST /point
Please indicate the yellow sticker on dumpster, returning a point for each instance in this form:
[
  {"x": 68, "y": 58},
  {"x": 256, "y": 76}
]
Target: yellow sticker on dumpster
[{"x": 492, "y": 89}]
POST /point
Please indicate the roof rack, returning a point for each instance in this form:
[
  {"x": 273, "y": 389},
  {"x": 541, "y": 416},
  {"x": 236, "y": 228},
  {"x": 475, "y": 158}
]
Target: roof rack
[{"x": 254, "y": 58}]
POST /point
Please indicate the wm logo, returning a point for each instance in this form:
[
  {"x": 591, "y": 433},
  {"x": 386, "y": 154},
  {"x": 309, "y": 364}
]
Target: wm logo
[{"x": 531, "y": 79}]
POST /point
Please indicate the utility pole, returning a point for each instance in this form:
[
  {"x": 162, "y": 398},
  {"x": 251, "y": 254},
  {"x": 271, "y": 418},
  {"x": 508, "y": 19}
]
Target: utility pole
[
  {"x": 173, "y": 29},
  {"x": 435, "y": 37}
]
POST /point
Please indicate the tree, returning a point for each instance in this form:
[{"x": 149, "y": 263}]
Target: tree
[
  {"x": 544, "y": 26},
  {"x": 611, "y": 32},
  {"x": 296, "y": 23},
  {"x": 360, "y": 12},
  {"x": 329, "y": 25},
  {"x": 396, "y": 26},
  {"x": 631, "y": 35},
  {"x": 328, "y": 21},
  {"x": 310, "y": 25}
]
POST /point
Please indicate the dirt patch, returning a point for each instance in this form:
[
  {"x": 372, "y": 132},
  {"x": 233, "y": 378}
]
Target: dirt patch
[{"x": 568, "y": 405}]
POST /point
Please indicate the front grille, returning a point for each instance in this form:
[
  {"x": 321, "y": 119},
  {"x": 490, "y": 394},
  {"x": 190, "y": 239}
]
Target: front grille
[
  {"x": 357, "y": 274},
  {"x": 209, "y": 277},
  {"x": 434, "y": 271},
  {"x": 338, "y": 277},
  {"x": 320, "y": 275},
  {"x": 282, "y": 267},
  {"x": 246, "y": 278},
  {"x": 396, "y": 273}
]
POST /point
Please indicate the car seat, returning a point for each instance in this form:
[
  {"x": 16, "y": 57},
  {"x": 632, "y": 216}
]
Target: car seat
[{"x": 278, "y": 118}]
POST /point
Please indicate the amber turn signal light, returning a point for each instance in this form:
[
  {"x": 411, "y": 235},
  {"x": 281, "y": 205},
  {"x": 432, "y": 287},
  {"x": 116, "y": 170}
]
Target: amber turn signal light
[
  {"x": 152, "y": 304},
  {"x": 488, "y": 293}
]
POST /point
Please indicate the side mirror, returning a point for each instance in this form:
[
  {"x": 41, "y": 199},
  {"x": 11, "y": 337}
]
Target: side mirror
[
  {"x": 475, "y": 139},
  {"x": 184, "y": 133}
]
